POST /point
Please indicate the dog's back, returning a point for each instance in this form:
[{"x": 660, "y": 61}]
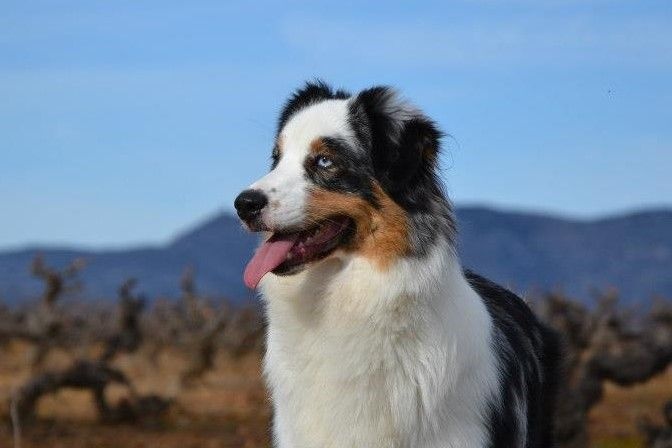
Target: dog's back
[{"x": 529, "y": 354}]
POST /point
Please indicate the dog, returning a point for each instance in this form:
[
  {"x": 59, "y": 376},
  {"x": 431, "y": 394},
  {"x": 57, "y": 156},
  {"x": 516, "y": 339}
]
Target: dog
[{"x": 377, "y": 337}]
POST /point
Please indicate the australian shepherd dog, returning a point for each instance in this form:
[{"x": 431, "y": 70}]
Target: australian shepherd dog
[{"x": 377, "y": 337}]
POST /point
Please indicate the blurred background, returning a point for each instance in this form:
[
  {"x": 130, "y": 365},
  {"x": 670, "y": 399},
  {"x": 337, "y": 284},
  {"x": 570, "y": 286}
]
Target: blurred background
[{"x": 129, "y": 127}]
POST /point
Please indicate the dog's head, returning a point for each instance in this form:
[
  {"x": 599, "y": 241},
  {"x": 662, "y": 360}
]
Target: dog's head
[{"x": 347, "y": 175}]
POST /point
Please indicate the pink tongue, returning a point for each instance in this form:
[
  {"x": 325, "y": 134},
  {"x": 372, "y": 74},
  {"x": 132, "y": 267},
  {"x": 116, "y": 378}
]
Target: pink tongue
[{"x": 269, "y": 256}]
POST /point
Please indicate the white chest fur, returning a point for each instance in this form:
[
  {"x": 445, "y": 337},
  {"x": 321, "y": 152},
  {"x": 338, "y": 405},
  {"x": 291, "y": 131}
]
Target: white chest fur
[{"x": 362, "y": 358}]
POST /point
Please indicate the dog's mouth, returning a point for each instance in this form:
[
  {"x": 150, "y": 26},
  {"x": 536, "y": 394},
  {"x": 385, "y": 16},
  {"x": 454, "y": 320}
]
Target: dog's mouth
[{"x": 286, "y": 253}]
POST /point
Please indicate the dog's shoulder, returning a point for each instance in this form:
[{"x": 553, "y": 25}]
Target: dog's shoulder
[
  {"x": 506, "y": 309},
  {"x": 530, "y": 356}
]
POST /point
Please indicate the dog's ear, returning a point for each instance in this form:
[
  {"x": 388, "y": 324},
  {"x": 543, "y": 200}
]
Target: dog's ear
[
  {"x": 310, "y": 93},
  {"x": 404, "y": 143}
]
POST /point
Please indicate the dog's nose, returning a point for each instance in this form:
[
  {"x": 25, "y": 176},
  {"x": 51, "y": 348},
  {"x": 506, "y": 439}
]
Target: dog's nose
[{"x": 250, "y": 203}]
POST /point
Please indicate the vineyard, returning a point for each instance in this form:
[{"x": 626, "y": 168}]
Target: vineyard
[{"x": 185, "y": 371}]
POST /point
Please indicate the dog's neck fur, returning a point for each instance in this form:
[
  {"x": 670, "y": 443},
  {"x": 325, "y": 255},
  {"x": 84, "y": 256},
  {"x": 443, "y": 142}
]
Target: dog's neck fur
[{"x": 397, "y": 358}]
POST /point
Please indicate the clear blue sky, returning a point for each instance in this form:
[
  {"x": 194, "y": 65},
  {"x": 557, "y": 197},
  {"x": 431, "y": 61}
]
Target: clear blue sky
[{"x": 126, "y": 121}]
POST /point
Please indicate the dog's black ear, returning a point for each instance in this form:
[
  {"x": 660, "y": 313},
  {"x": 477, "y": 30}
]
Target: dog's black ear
[
  {"x": 404, "y": 143},
  {"x": 311, "y": 92}
]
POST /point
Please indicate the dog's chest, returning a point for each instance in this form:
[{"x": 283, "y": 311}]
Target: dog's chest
[
  {"x": 369, "y": 364},
  {"x": 354, "y": 385}
]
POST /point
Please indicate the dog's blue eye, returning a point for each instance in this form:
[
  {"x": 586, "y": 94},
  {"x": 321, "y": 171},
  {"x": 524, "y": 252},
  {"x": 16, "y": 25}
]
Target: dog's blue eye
[{"x": 324, "y": 162}]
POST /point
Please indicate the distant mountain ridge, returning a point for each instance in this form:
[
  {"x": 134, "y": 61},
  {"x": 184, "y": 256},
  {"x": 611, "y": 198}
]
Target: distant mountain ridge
[
  {"x": 630, "y": 252},
  {"x": 524, "y": 251}
]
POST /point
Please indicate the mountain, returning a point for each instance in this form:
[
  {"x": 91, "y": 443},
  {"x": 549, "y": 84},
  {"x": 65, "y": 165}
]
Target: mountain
[
  {"x": 631, "y": 252},
  {"x": 524, "y": 251},
  {"x": 217, "y": 250}
]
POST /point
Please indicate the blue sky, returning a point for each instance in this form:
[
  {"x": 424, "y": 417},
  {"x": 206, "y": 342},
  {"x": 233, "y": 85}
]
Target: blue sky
[{"x": 125, "y": 122}]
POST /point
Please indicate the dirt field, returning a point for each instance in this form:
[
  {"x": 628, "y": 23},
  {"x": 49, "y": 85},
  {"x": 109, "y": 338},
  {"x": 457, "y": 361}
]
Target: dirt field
[
  {"x": 228, "y": 408},
  {"x": 613, "y": 421}
]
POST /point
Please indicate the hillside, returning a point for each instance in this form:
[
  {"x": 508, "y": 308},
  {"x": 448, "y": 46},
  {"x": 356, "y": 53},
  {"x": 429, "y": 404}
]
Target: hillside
[
  {"x": 631, "y": 252},
  {"x": 524, "y": 251}
]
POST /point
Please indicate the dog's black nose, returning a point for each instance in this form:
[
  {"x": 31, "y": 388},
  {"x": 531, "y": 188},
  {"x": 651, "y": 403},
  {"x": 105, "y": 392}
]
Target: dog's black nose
[{"x": 249, "y": 204}]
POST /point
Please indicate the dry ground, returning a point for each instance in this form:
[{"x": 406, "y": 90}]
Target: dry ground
[
  {"x": 613, "y": 421},
  {"x": 228, "y": 408}
]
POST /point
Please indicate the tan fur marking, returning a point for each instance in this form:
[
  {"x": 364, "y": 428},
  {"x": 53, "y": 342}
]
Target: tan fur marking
[
  {"x": 382, "y": 234},
  {"x": 317, "y": 146}
]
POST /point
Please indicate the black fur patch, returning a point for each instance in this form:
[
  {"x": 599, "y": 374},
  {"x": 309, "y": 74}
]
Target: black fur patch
[
  {"x": 351, "y": 172},
  {"x": 275, "y": 156},
  {"x": 404, "y": 147},
  {"x": 529, "y": 358}
]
